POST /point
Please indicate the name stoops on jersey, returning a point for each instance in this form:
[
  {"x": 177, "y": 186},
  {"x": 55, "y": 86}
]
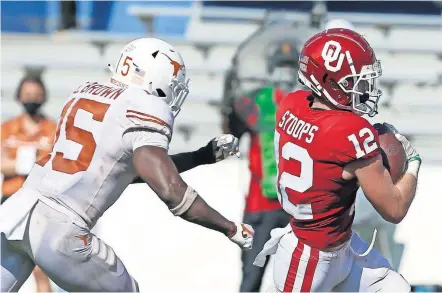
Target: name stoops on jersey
[
  {"x": 100, "y": 90},
  {"x": 297, "y": 128}
]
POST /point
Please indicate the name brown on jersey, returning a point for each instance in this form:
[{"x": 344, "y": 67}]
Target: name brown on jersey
[{"x": 100, "y": 90}]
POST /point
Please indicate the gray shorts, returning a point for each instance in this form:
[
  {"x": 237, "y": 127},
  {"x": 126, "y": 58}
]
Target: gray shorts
[{"x": 62, "y": 245}]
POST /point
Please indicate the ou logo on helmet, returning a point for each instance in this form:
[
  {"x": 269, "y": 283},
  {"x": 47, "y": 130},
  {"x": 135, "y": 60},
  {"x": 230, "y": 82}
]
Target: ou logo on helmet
[{"x": 331, "y": 53}]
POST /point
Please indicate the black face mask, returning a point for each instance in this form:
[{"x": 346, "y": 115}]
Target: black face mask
[{"x": 32, "y": 108}]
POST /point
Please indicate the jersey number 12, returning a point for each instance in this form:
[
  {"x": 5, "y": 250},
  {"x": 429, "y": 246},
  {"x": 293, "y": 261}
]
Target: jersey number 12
[
  {"x": 297, "y": 183},
  {"x": 369, "y": 143}
]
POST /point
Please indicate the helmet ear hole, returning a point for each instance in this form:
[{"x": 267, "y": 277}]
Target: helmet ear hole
[
  {"x": 333, "y": 85},
  {"x": 160, "y": 92}
]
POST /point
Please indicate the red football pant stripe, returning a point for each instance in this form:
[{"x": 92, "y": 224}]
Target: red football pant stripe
[
  {"x": 310, "y": 270},
  {"x": 307, "y": 278},
  {"x": 293, "y": 269}
]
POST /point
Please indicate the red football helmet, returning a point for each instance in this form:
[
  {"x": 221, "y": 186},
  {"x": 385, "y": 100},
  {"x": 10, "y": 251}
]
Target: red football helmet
[{"x": 340, "y": 65}]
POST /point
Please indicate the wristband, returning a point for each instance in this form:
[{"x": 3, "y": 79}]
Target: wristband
[{"x": 414, "y": 164}]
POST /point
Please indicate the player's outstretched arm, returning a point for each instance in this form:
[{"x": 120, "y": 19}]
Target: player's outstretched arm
[
  {"x": 218, "y": 149},
  {"x": 391, "y": 201},
  {"x": 155, "y": 167}
]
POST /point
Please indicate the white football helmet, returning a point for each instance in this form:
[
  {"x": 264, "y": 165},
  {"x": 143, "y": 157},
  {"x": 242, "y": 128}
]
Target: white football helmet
[{"x": 156, "y": 67}]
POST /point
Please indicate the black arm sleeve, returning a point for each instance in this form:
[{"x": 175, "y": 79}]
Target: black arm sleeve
[{"x": 190, "y": 160}]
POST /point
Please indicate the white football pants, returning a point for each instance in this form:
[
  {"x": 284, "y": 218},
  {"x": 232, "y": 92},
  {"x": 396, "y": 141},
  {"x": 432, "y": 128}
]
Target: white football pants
[
  {"x": 301, "y": 268},
  {"x": 61, "y": 244}
]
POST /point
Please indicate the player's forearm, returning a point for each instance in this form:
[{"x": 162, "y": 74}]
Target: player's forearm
[
  {"x": 202, "y": 214},
  {"x": 187, "y": 204},
  {"x": 407, "y": 188},
  {"x": 396, "y": 202},
  {"x": 8, "y": 167}
]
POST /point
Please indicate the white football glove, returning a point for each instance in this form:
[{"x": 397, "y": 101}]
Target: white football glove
[
  {"x": 225, "y": 145},
  {"x": 413, "y": 159},
  {"x": 243, "y": 236}
]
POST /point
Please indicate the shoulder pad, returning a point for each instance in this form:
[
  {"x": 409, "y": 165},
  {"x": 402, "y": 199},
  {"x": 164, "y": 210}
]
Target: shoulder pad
[{"x": 147, "y": 111}]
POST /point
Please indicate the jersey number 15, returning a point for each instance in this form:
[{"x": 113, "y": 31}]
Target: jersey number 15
[{"x": 75, "y": 134}]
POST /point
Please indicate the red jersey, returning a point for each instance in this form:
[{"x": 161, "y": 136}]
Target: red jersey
[{"x": 312, "y": 148}]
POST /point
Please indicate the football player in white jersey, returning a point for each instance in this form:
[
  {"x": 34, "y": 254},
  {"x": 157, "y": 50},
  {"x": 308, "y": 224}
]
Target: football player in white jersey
[{"x": 108, "y": 136}]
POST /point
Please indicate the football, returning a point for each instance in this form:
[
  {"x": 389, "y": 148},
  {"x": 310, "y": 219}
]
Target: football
[{"x": 393, "y": 153}]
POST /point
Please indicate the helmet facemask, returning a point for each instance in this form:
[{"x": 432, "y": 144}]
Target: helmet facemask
[
  {"x": 363, "y": 88},
  {"x": 179, "y": 92}
]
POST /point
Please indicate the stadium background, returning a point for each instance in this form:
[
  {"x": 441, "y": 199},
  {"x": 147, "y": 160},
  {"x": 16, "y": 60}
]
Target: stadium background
[{"x": 165, "y": 253}]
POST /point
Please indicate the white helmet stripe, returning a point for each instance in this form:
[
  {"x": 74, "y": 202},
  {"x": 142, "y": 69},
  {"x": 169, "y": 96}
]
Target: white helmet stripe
[
  {"x": 327, "y": 95},
  {"x": 350, "y": 62}
]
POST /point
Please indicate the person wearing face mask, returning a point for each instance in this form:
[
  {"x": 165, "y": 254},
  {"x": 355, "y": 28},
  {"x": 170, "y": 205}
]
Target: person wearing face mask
[{"x": 24, "y": 139}]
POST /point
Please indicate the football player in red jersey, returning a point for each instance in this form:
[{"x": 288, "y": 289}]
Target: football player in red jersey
[{"x": 325, "y": 150}]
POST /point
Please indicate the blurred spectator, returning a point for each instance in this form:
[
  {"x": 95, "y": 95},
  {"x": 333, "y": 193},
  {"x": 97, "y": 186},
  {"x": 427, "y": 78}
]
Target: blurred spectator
[
  {"x": 68, "y": 15},
  {"x": 338, "y": 23},
  {"x": 254, "y": 113},
  {"x": 24, "y": 139}
]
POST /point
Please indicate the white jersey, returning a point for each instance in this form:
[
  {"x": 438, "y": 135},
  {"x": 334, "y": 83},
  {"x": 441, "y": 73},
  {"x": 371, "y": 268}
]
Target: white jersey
[{"x": 91, "y": 161}]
